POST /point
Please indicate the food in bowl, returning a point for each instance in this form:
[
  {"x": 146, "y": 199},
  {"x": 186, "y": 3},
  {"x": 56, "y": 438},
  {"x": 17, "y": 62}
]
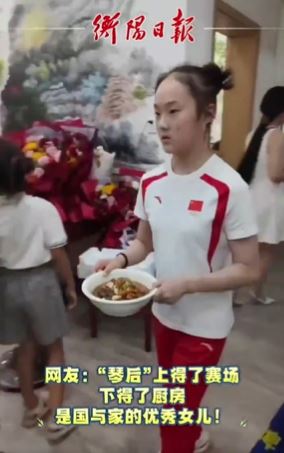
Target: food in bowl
[{"x": 121, "y": 289}]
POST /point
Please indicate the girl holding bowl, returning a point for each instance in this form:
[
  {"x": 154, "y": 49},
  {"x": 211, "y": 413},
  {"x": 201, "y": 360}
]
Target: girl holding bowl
[{"x": 196, "y": 216}]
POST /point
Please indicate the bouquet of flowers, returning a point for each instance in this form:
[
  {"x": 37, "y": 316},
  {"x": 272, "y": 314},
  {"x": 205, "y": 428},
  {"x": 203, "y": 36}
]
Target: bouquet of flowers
[
  {"x": 58, "y": 149},
  {"x": 63, "y": 156},
  {"x": 112, "y": 205},
  {"x": 43, "y": 152}
]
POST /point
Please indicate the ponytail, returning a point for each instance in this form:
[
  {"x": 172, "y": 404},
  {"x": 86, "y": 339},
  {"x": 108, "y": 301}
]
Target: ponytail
[
  {"x": 272, "y": 105},
  {"x": 247, "y": 166}
]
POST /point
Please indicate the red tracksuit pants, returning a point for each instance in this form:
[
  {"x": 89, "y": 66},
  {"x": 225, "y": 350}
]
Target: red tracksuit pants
[{"x": 179, "y": 349}]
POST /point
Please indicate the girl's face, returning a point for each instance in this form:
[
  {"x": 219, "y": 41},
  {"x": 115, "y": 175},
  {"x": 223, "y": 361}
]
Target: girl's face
[{"x": 178, "y": 125}]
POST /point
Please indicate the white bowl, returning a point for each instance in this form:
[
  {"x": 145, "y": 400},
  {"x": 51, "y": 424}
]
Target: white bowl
[{"x": 120, "y": 308}]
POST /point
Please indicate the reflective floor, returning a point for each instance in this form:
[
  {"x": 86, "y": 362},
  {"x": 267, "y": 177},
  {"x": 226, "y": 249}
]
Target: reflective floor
[{"x": 256, "y": 345}]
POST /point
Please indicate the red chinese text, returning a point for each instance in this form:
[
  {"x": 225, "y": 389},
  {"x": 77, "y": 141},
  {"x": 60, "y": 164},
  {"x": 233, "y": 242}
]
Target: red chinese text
[
  {"x": 182, "y": 28},
  {"x": 134, "y": 30},
  {"x": 159, "y": 30},
  {"x": 105, "y": 27}
]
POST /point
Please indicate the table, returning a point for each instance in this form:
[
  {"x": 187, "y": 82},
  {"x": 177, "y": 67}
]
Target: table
[{"x": 145, "y": 313}]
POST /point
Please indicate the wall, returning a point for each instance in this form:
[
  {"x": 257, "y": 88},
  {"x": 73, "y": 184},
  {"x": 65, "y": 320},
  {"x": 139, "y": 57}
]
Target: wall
[
  {"x": 201, "y": 51},
  {"x": 266, "y": 14},
  {"x": 280, "y": 53}
]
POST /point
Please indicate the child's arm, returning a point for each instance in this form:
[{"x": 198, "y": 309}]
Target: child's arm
[
  {"x": 63, "y": 268},
  {"x": 55, "y": 240}
]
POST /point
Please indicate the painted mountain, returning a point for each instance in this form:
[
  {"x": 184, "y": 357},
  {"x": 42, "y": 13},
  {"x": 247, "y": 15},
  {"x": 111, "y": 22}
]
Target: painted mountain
[{"x": 57, "y": 70}]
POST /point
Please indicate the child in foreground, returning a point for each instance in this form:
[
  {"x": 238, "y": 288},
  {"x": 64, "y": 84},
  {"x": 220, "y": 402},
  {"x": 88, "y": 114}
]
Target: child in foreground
[{"x": 32, "y": 312}]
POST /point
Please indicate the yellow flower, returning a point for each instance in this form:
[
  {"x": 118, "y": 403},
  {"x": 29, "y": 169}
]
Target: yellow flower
[
  {"x": 108, "y": 189},
  {"x": 37, "y": 155},
  {"x": 32, "y": 146}
]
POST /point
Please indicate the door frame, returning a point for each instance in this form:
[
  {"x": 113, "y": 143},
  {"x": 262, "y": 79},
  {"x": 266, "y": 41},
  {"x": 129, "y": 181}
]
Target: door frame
[
  {"x": 243, "y": 44},
  {"x": 234, "y": 15}
]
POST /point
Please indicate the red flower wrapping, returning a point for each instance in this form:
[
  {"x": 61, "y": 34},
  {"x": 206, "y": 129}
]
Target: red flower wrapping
[
  {"x": 61, "y": 181},
  {"x": 122, "y": 214},
  {"x": 66, "y": 183}
]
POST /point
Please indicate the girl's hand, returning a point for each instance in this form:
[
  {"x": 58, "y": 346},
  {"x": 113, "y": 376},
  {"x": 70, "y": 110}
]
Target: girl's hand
[
  {"x": 72, "y": 298},
  {"x": 170, "y": 292},
  {"x": 110, "y": 265}
]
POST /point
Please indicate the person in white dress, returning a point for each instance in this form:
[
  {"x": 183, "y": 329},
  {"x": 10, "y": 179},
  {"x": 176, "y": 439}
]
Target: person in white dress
[{"x": 262, "y": 168}]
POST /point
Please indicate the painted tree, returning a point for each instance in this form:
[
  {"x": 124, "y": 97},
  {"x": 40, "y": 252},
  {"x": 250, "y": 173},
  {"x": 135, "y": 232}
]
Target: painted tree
[
  {"x": 118, "y": 100},
  {"x": 143, "y": 65}
]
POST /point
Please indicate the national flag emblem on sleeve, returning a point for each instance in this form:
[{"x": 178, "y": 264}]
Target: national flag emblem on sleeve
[{"x": 195, "y": 206}]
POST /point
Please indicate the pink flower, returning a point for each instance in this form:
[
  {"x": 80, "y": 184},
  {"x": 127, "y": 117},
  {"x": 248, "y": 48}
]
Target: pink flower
[
  {"x": 44, "y": 161},
  {"x": 38, "y": 172},
  {"x": 57, "y": 156},
  {"x": 34, "y": 138},
  {"x": 111, "y": 201},
  {"x": 53, "y": 152}
]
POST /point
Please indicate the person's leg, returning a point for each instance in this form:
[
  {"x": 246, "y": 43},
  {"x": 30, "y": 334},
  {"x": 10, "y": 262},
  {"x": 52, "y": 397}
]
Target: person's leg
[
  {"x": 35, "y": 408},
  {"x": 48, "y": 323},
  {"x": 165, "y": 344},
  {"x": 267, "y": 256},
  {"x": 26, "y": 358},
  {"x": 190, "y": 351},
  {"x": 55, "y": 358},
  {"x": 240, "y": 297},
  {"x": 56, "y": 433}
]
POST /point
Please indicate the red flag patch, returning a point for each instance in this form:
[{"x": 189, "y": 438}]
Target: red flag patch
[{"x": 195, "y": 206}]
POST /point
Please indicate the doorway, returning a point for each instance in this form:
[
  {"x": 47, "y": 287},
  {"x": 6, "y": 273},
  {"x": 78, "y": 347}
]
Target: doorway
[
  {"x": 236, "y": 46},
  {"x": 220, "y": 58}
]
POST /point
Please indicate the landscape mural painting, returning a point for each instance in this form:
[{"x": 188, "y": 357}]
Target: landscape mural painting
[{"x": 57, "y": 70}]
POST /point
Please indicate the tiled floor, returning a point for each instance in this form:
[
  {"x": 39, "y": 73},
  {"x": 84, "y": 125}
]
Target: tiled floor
[{"x": 256, "y": 345}]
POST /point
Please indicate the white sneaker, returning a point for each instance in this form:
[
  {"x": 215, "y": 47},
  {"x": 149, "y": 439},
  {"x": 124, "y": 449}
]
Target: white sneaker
[
  {"x": 263, "y": 301},
  {"x": 31, "y": 417},
  {"x": 202, "y": 444},
  {"x": 56, "y": 434},
  {"x": 266, "y": 301}
]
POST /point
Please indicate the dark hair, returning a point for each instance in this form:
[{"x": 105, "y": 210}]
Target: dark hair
[
  {"x": 14, "y": 167},
  {"x": 272, "y": 105},
  {"x": 203, "y": 82}
]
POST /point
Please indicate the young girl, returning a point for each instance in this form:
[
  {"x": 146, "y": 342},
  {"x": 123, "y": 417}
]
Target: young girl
[
  {"x": 263, "y": 169},
  {"x": 32, "y": 240},
  {"x": 197, "y": 217}
]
